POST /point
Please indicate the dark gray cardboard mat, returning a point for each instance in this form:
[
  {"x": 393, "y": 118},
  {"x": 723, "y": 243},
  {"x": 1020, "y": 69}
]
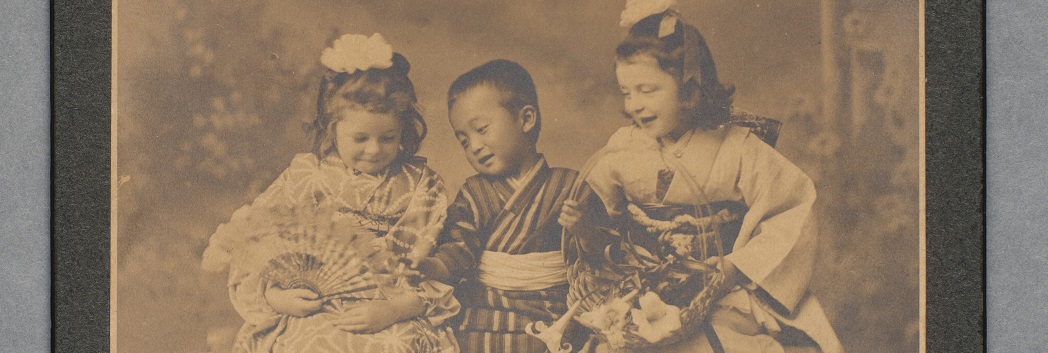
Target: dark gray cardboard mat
[
  {"x": 80, "y": 130},
  {"x": 955, "y": 106}
]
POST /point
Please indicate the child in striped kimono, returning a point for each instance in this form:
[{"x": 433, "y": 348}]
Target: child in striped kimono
[{"x": 502, "y": 243}]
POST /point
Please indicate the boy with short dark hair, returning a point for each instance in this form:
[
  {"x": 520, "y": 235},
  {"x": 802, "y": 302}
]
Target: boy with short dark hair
[{"x": 502, "y": 241}]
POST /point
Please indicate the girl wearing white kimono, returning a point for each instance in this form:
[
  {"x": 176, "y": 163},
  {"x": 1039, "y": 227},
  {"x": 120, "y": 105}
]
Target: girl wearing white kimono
[
  {"x": 363, "y": 165},
  {"x": 686, "y": 154}
]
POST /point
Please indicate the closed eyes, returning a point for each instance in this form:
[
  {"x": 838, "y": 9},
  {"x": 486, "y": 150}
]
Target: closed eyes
[
  {"x": 642, "y": 89},
  {"x": 381, "y": 139}
]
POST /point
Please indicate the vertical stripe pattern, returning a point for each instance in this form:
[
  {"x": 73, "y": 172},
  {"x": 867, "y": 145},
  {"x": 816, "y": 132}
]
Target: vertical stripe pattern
[{"x": 489, "y": 214}]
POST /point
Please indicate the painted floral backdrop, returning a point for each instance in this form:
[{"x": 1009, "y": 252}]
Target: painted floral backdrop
[{"x": 212, "y": 96}]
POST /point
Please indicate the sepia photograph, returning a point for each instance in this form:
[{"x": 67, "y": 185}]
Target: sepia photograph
[{"x": 526, "y": 176}]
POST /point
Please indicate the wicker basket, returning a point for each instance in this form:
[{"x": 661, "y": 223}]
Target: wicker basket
[
  {"x": 593, "y": 285},
  {"x": 596, "y": 286}
]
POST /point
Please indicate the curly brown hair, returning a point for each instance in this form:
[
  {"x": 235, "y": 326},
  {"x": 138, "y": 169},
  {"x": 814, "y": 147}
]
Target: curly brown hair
[
  {"x": 703, "y": 96},
  {"x": 381, "y": 91}
]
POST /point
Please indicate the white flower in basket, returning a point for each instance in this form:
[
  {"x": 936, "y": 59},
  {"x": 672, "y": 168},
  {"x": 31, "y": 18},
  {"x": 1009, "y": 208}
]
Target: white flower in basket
[
  {"x": 610, "y": 319},
  {"x": 655, "y": 319}
]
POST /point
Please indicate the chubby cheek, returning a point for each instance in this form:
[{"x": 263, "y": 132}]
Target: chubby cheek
[
  {"x": 497, "y": 167},
  {"x": 473, "y": 160},
  {"x": 366, "y": 158},
  {"x": 349, "y": 151},
  {"x": 493, "y": 166},
  {"x": 380, "y": 156}
]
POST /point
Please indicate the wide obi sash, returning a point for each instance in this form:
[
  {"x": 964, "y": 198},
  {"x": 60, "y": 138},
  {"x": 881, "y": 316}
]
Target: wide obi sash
[
  {"x": 531, "y": 271},
  {"x": 686, "y": 229}
]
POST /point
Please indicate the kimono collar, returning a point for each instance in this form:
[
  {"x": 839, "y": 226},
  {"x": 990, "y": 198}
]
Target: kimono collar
[
  {"x": 335, "y": 162},
  {"x": 631, "y": 138},
  {"x": 518, "y": 183}
]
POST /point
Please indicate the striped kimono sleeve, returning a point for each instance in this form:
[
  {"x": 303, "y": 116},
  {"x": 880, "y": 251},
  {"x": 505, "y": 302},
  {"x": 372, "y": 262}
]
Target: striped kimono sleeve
[{"x": 460, "y": 243}]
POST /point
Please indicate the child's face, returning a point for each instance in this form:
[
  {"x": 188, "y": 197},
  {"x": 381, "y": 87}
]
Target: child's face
[
  {"x": 367, "y": 141},
  {"x": 651, "y": 96},
  {"x": 493, "y": 138}
]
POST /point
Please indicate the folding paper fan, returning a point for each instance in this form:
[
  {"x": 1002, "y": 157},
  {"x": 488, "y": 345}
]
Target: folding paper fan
[{"x": 314, "y": 250}]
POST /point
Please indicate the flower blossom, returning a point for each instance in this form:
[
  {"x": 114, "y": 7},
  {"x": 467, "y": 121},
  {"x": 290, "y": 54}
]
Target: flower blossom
[
  {"x": 682, "y": 243},
  {"x": 610, "y": 319},
  {"x": 354, "y": 52},
  {"x": 637, "y": 10},
  {"x": 655, "y": 319}
]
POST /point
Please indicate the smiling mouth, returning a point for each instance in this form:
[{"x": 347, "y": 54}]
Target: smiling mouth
[
  {"x": 485, "y": 159},
  {"x": 647, "y": 121}
]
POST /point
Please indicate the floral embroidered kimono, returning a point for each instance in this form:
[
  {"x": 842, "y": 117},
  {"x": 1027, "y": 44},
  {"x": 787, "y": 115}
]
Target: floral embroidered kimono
[
  {"x": 768, "y": 201},
  {"x": 404, "y": 203},
  {"x": 503, "y": 240}
]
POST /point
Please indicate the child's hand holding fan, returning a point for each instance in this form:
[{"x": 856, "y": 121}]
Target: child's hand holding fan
[
  {"x": 316, "y": 250},
  {"x": 295, "y": 302}
]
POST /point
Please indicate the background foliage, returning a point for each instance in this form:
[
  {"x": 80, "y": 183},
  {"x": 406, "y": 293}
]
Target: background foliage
[{"x": 212, "y": 96}]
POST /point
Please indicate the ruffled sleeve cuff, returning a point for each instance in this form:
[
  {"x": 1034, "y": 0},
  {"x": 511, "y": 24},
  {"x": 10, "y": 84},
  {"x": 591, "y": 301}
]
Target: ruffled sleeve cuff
[
  {"x": 246, "y": 292},
  {"x": 440, "y": 302}
]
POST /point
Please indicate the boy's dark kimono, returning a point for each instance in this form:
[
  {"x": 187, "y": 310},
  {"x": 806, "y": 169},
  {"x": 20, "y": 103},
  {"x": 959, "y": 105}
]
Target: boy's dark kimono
[{"x": 503, "y": 241}]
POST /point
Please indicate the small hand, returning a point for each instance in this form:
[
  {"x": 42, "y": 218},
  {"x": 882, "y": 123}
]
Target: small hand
[
  {"x": 592, "y": 239},
  {"x": 295, "y": 302},
  {"x": 432, "y": 268},
  {"x": 727, "y": 268},
  {"x": 366, "y": 317},
  {"x": 570, "y": 215}
]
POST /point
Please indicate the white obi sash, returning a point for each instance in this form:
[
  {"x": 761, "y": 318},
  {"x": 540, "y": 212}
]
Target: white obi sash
[{"x": 532, "y": 271}]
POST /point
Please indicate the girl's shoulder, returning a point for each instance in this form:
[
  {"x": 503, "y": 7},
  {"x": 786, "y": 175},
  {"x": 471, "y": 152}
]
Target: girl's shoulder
[
  {"x": 621, "y": 136},
  {"x": 763, "y": 128},
  {"x": 307, "y": 164},
  {"x": 743, "y": 142},
  {"x": 304, "y": 160},
  {"x": 739, "y": 135}
]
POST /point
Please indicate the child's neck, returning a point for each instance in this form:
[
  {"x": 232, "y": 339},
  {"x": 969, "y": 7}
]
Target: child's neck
[
  {"x": 527, "y": 163},
  {"x": 677, "y": 134}
]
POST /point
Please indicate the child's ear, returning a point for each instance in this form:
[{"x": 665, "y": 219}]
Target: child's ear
[{"x": 528, "y": 116}]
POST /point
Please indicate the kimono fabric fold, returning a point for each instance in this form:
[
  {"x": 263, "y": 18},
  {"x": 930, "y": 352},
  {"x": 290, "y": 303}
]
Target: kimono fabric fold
[
  {"x": 503, "y": 241},
  {"x": 773, "y": 245},
  {"x": 405, "y": 205}
]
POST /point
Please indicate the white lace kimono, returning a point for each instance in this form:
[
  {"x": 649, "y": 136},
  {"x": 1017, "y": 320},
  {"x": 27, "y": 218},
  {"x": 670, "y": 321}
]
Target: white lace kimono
[{"x": 405, "y": 202}]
